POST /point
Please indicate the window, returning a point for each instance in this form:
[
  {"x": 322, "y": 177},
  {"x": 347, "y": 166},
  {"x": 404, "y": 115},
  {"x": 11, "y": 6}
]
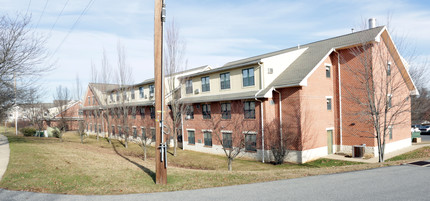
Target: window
[
  {"x": 94, "y": 101},
  {"x": 141, "y": 94},
  {"x": 328, "y": 71},
  {"x": 119, "y": 130},
  {"x": 124, "y": 95},
  {"x": 153, "y": 134},
  {"x": 250, "y": 141},
  {"x": 190, "y": 112},
  {"x": 111, "y": 97},
  {"x": 249, "y": 109},
  {"x": 225, "y": 80},
  {"x": 143, "y": 133},
  {"x": 126, "y": 131},
  {"x": 205, "y": 84},
  {"x": 248, "y": 77},
  {"x": 226, "y": 140},
  {"x": 133, "y": 112},
  {"x": 328, "y": 103},
  {"x": 113, "y": 130},
  {"x": 132, "y": 93},
  {"x": 226, "y": 110},
  {"x": 189, "y": 86},
  {"x": 206, "y": 110},
  {"x": 117, "y": 96},
  {"x": 389, "y": 68},
  {"x": 191, "y": 137},
  {"x": 89, "y": 100},
  {"x": 151, "y": 91},
  {"x": 207, "y": 138},
  {"x": 390, "y": 132},
  {"x": 152, "y": 108},
  {"x": 142, "y": 112},
  {"x": 100, "y": 128},
  {"x": 389, "y": 101},
  {"x": 134, "y": 133},
  {"x": 91, "y": 127}
]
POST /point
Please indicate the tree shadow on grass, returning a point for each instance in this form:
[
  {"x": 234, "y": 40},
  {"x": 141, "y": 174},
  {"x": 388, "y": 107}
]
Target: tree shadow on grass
[{"x": 146, "y": 170}]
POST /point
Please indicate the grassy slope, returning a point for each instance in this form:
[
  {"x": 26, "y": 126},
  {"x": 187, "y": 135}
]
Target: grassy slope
[{"x": 96, "y": 167}]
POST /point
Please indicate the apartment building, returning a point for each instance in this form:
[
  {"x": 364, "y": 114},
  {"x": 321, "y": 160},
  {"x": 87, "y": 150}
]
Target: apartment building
[
  {"x": 304, "y": 96},
  {"x": 117, "y": 110},
  {"x": 295, "y": 95}
]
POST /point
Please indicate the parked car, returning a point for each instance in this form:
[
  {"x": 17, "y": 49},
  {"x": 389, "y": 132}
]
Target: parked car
[{"x": 424, "y": 129}]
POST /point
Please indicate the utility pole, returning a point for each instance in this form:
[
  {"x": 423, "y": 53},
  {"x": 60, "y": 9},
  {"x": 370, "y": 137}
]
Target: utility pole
[{"x": 161, "y": 148}]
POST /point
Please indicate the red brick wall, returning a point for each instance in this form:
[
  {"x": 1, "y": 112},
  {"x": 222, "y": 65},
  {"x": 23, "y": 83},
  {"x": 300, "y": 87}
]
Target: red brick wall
[{"x": 237, "y": 124}]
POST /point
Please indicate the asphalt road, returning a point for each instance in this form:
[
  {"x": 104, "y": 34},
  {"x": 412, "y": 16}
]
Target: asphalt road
[
  {"x": 406, "y": 182},
  {"x": 425, "y": 137}
]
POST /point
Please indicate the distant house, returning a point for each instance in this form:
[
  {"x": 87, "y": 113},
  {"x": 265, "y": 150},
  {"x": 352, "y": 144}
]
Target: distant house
[
  {"x": 71, "y": 114},
  {"x": 300, "y": 95}
]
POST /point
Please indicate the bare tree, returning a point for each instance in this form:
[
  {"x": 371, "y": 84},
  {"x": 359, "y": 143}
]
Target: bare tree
[
  {"x": 173, "y": 64},
  {"x": 82, "y": 123},
  {"x": 231, "y": 129},
  {"x": 33, "y": 109},
  {"x": 377, "y": 90},
  {"x": 22, "y": 57},
  {"x": 61, "y": 101},
  {"x": 124, "y": 79},
  {"x": 145, "y": 141}
]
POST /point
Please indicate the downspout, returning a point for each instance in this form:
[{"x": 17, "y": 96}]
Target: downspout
[
  {"x": 340, "y": 99},
  {"x": 261, "y": 111},
  {"x": 182, "y": 131},
  {"x": 280, "y": 115}
]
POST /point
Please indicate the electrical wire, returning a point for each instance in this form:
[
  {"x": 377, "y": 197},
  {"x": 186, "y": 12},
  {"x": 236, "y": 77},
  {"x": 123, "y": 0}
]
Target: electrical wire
[
  {"x": 74, "y": 25},
  {"x": 59, "y": 15},
  {"x": 43, "y": 12}
]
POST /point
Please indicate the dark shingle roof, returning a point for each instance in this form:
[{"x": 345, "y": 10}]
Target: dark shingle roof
[{"x": 316, "y": 52}]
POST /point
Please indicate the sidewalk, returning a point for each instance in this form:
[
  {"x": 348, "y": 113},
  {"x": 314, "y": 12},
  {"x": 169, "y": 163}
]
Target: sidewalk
[
  {"x": 4, "y": 154},
  {"x": 375, "y": 159}
]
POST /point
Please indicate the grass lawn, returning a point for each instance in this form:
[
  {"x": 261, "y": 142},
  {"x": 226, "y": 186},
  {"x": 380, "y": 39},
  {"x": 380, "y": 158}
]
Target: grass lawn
[
  {"x": 422, "y": 153},
  {"x": 97, "y": 167}
]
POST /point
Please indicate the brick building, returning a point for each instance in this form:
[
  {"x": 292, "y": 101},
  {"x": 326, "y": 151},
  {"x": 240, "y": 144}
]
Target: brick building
[{"x": 305, "y": 96}]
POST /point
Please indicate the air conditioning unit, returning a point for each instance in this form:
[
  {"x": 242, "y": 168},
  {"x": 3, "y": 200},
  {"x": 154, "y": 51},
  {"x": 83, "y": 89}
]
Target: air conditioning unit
[
  {"x": 270, "y": 70},
  {"x": 197, "y": 91}
]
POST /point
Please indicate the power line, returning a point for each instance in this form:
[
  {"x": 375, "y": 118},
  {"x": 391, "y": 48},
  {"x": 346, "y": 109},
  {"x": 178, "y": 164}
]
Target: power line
[
  {"x": 59, "y": 15},
  {"x": 74, "y": 25},
  {"x": 43, "y": 12},
  {"x": 28, "y": 7}
]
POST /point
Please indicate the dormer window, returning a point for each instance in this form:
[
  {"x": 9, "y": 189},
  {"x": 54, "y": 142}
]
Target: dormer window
[
  {"x": 132, "y": 93},
  {"x": 248, "y": 77},
  {"x": 205, "y": 84},
  {"x": 151, "y": 91},
  {"x": 141, "y": 94},
  {"x": 189, "y": 86}
]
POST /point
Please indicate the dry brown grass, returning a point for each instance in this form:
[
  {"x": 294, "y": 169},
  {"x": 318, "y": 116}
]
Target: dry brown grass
[{"x": 96, "y": 167}]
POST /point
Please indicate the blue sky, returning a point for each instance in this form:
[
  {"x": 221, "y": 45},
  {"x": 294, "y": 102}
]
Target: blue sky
[{"x": 216, "y": 31}]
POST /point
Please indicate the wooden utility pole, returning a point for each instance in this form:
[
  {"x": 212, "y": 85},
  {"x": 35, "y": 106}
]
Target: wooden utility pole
[{"x": 160, "y": 145}]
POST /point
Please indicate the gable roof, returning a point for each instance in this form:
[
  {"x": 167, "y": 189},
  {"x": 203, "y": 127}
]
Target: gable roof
[{"x": 297, "y": 73}]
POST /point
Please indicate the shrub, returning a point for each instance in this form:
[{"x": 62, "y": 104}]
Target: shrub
[
  {"x": 56, "y": 133},
  {"x": 28, "y": 131}
]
